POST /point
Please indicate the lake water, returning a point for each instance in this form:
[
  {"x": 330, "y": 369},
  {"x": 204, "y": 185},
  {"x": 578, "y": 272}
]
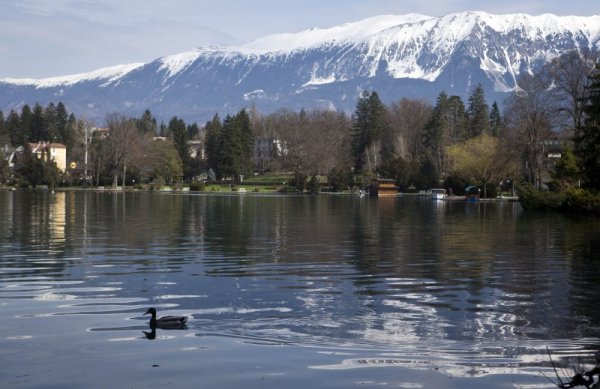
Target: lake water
[{"x": 291, "y": 291}]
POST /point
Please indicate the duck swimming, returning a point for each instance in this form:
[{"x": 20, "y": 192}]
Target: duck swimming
[{"x": 166, "y": 322}]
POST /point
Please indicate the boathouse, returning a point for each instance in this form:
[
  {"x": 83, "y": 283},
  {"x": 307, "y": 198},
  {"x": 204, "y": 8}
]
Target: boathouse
[{"x": 383, "y": 187}]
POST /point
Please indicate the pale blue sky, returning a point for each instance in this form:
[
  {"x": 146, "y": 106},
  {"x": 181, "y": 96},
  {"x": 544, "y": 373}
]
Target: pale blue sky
[{"x": 43, "y": 38}]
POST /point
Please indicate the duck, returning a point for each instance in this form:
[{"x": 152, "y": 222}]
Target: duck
[{"x": 166, "y": 322}]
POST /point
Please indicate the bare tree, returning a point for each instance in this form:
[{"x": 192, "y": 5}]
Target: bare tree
[
  {"x": 327, "y": 141},
  {"x": 123, "y": 135},
  {"x": 291, "y": 133},
  {"x": 408, "y": 118},
  {"x": 570, "y": 76},
  {"x": 83, "y": 131},
  {"x": 531, "y": 114}
]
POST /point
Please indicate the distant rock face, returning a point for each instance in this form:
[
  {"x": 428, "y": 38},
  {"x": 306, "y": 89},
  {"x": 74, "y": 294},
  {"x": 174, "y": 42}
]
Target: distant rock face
[{"x": 412, "y": 56}]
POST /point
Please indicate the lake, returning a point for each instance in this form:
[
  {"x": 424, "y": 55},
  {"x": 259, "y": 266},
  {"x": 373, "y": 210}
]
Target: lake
[{"x": 291, "y": 291}]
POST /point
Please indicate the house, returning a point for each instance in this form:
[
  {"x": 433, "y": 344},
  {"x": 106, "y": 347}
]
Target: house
[
  {"x": 101, "y": 132},
  {"x": 196, "y": 149},
  {"x": 56, "y": 152}
]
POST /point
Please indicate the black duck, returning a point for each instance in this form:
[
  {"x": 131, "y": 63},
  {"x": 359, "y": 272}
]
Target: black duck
[{"x": 166, "y": 322}]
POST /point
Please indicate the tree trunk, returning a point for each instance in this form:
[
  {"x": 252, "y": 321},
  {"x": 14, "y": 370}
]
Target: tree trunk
[{"x": 124, "y": 174}]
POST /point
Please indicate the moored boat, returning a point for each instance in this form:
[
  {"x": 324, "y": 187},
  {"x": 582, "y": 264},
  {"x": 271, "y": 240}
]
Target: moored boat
[{"x": 438, "y": 194}]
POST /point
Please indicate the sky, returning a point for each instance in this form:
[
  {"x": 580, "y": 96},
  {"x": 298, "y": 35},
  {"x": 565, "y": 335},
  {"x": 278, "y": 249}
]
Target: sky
[{"x": 45, "y": 38}]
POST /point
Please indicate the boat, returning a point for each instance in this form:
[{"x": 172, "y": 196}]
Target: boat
[
  {"x": 438, "y": 194},
  {"x": 472, "y": 193}
]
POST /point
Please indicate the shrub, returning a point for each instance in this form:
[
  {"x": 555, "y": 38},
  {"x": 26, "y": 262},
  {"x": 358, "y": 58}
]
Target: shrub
[
  {"x": 313, "y": 185},
  {"x": 582, "y": 200},
  {"x": 532, "y": 198},
  {"x": 197, "y": 186}
]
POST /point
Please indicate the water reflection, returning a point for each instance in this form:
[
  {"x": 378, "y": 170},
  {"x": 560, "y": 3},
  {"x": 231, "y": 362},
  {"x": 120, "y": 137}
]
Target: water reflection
[{"x": 471, "y": 289}]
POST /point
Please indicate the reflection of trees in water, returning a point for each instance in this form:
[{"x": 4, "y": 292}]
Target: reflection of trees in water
[
  {"x": 581, "y": 245},
  {"x": 500, "y": 274},
  {"x": 33, "y": 232},
  {"x": 381, "y": 267}
]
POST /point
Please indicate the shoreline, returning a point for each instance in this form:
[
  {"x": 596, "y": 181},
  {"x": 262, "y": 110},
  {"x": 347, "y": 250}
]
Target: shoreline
[{"x": 186, "y": 191}]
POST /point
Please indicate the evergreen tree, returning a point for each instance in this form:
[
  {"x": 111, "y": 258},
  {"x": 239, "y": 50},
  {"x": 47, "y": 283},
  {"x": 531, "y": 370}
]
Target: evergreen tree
[
  {"x": 4, "y": 136},
  {"x": 193, "y": 130},
  {"x": 25, "y": 123},
  {"x": 146, "y": 123},
  {"x": 163, "y": 130},
  {"x": 478, "y": 113},
  {"x": 178, "y": 131},
  {"x": 64, "y": 133},
  {"x": 13, "y": 129},
  {"x": 457, "y": 121},
  {"x": 247, "y": 143},
  {"x": 211, "y": 143},
  {"x": 588, "y": 144},
  {"x": 360, "y": 132},
  {"x": 51, "y": 124},
  {"x": 368, "y": 124},
  {"x": 566, "y": 170},
  {"x": 495, "y": 120},
  {"x": 38, "y": 130},
  {"x": 230, "y": 148},
  {"x": 70, "y": 136},
  {"x": 432, "y": 134}
]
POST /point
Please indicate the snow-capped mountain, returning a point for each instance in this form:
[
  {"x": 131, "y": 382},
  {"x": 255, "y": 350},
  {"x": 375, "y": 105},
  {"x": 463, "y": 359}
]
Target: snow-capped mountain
[{"x": 397, "y": 55}]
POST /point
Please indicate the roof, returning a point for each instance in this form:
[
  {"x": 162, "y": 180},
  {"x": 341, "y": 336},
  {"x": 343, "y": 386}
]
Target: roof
[{"x": 35, "y": 146}]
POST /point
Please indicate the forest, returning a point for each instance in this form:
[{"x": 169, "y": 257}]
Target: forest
[{"x": 546, "y": 136}]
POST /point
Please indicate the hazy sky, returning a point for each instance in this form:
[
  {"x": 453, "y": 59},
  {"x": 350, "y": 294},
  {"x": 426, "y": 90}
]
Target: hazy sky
[{"x": 43, "y": 38}]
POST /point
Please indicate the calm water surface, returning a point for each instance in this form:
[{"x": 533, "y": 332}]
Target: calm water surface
[{"x": 286, "y": 291}]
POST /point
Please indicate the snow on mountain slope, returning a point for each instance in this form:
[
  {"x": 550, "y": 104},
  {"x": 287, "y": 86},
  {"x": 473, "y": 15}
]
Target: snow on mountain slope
[
  {"x": 174, "y": 64},
  {"x": 413, "y": 46},
  {"x": 419, "y": 46},
  {"x": 347, "y": 32},
  {"x": 109, "y": 75}
]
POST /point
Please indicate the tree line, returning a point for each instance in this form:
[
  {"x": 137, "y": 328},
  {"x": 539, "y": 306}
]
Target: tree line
[{"x": 450, "y": 143}]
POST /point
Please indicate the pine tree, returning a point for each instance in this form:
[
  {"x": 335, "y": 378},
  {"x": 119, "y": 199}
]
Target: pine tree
[
  {"x": 163, "y": 130},
  {"x": 146, "y": 123},
  {"x": 478, "y": 113},
  {"x": 230, "y": 148},
  {"x": 4, "y": 136},
  {"x": 193, "y": 130},
  {"x": 25, "y": 123},
  {"x": 368, "y": 125},
  {"x": 432, "y": 134},
  {"x": 247, "y": 142},
  {"x": 588, "y": 145},
  {"x": 360, "y": 131},
  {"x": 211, "y": 144},
  {"x": 457, "y": 121},
  {"x": 495, "y": 120},
  {"x": 178, "y": 131},
  {"x": 13, "y": 129},
  {"x": 70, "y": 137},
  {"x": 38, "y": 130},
  {"x": 62, "y": 126},
  {"x": 51, "y": 124}
]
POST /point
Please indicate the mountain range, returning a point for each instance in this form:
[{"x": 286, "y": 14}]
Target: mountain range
[{"x": 414, "y": 56}]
